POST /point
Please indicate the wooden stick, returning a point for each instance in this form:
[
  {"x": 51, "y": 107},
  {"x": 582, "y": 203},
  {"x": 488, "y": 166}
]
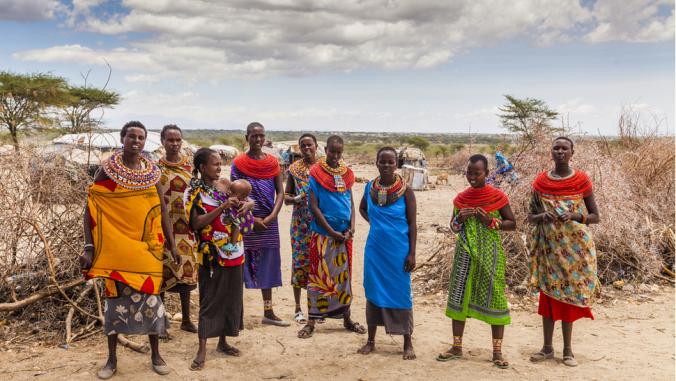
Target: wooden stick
[
  {"x": 71, "y": 312},
  {"x": 140, "y": 348},
  {"x": 47, "y": 291}
]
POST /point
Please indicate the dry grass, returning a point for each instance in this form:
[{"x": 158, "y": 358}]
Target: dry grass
[{"x": 633, "y": 179}]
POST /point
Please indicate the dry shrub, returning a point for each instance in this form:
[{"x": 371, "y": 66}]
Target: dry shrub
[
  {"x": 633, "y": 179},
  {"x": 49, "y": 193}
]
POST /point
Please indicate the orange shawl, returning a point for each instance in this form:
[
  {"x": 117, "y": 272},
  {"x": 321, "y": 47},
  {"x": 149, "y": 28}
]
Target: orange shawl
[
  {"x": 487, "y": 197},
  {"x": 265, "y": 168}
]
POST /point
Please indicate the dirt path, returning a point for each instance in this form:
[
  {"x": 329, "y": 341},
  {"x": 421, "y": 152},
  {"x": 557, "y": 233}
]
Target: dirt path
[{"x": 628, "y": 339}]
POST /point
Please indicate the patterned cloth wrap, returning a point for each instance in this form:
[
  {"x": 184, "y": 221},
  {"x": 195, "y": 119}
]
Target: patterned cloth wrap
[
  {"x": 562, "y": 254},
  {"x": 301, "y": 218},
  {"x": 477, "y": 286},
  {"x": 173, "y": 183}
]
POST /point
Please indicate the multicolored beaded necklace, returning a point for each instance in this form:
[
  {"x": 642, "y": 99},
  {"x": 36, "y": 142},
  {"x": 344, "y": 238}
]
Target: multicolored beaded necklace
[
  {"x": 389, "y": 193},
  {"x": 336, "y": 172},
  {"x": 300, "y": 169},
  {"x": 211, "y": 191},
  {"x": 135, "y": 179},
  {"x": 181, "y": 162}
]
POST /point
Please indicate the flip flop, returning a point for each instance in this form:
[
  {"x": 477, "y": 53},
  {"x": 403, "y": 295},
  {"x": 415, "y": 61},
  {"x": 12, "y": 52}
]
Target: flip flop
[
  {"x": 278, "y": 323},
  {"x": 299, "y": 318},
  {"x": 196, "y": 365},
  {"x": 106, "y": 373},
  {"x": 541, "y": 356},
  {"x": 448, "y": 356},
  {"x": 501, "y": 364},
  {"x": 162, "y": 369},
  {"x": 569, "y": 361},
  {"x": 306, "y": 332}
]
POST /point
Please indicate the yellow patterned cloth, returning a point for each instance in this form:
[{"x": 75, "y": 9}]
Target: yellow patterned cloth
[
  {"x": 173, "y": 183},
  {"x": 127, "y": 234}
]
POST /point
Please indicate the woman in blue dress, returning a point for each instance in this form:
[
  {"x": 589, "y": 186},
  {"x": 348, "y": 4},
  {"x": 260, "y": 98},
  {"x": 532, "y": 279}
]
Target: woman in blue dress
[{"x": 389, "y": 257}]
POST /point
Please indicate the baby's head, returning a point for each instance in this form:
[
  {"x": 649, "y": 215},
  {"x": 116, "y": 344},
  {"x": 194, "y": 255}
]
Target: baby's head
[{"x": 240, "y": 189}]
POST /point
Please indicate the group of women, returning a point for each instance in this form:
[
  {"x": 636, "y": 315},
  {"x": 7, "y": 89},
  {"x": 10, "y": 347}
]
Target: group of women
[{"x": 174, "y": 225}]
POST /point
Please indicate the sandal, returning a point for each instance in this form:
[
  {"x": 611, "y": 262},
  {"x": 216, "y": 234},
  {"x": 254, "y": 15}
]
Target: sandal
[
  {"x": 229, "y": 350},
  {"x": 355, "y": 327},
  {"x": 501, "y": 364},
  {"x": 188, "y": 326},
  {"x": 106, "y": 373},
  {"x": 541, "y": 356},
  {"x": 161, "y": 369},
  {"x": 299, "y": 318},
  {"x": 197, "y": 365},
  {"x": 306, "y": 332},
  {"x": 448, "y": 356},
  {"x": 278, "y": 323},
  {"x": 569, "y": 360}
]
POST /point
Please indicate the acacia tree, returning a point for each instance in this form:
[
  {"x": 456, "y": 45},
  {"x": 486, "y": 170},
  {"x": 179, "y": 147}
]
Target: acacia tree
[
  {"x": 24, "y": 99},
  {"x": 530, "y": 118},
  {"x": 83, "y": 101}
]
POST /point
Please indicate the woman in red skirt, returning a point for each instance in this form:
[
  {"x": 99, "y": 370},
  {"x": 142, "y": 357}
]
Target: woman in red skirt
[{"x": 563, "y": 257}]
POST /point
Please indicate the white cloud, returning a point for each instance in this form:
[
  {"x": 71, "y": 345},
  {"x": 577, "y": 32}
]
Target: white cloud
[
  {"x": 575, "y": 108},
  {"x": 210, "y": 40},
  {"x": 28, "y": 10},
  {"x": 632, "y": 21}
]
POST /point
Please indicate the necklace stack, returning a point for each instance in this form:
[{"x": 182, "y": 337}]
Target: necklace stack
[
  {"x": 337, "y": 173},
  {"x": 183, "y": 160},
  {"x": 145, "y": 177},
  {"x": 211, "y": 191},
  {"x": 301, "y": 169},
  {"x": 393, "y": 191}
]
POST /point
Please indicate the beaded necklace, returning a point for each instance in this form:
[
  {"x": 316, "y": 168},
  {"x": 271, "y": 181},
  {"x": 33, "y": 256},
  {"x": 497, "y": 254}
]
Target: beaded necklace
[
  {"x": 143, "y": 178},
  {"x": 392, "y": 191},
  {"x": 300, "y": 169},
  {"x": 211, "y": 191},
  {"x": 181, "y": 162},
  {"x": 336, "y": 172}
]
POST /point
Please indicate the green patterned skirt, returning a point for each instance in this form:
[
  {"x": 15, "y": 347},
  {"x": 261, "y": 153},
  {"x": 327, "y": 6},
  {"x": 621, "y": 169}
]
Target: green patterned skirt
[{"x": 477, "y": 286}]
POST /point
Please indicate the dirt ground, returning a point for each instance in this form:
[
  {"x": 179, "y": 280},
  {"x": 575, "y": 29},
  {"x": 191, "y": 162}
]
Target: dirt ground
[{"x": 631, "y": 338}]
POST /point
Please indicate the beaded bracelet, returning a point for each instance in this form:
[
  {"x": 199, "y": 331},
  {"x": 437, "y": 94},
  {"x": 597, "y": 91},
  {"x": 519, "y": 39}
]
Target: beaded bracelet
[
  {"x": 584, "y": 218},
  {"x": 495, "y": 224},
  {"x": 455, "y": 224}
]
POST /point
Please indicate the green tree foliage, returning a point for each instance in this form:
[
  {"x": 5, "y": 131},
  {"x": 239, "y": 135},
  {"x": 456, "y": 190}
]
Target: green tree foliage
[
  {"x": 529, "y": 118},
  {"x": 418, "y": 141},
  {"x": 24, "y": 99},
  {"x": 82, "y": 102}
]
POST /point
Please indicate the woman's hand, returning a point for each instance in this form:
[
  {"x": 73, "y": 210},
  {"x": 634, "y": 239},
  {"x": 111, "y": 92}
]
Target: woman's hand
[
  {"x": 483, "y": 216},
  {"x": 348, "y": 234},
  {"x": 245, "y": 207},
  {"x": 409, "y": 263},
  {"x": 464, "y": 214},
  {"x": 86, "y": 258},
  {"x": 567, "y": 216},
  {"x": 337, "y": 236},
  {"x": 259, "y": 225},
  {"x": 547, "y": 217}
]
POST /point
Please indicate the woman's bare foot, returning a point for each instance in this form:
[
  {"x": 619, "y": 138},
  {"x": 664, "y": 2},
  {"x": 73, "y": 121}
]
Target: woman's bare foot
[
  {"x": 409, "y": 353},
  {"x": 369, "y": 347}
]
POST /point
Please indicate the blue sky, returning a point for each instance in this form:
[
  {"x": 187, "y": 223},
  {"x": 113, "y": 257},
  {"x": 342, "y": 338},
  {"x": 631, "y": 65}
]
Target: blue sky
[{"x": 379, "y": 65}]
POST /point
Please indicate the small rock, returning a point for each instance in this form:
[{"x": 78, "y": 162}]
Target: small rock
[
  {"x": 618, "y": 284},
  {"x": 628, "y": 287},
  {"x": 177, "y": 317}
]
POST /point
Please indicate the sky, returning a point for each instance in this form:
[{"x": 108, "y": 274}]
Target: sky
[{"x": 354, "y": 65}]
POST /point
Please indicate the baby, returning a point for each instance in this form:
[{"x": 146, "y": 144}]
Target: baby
[{"x": 239, "y": 190}]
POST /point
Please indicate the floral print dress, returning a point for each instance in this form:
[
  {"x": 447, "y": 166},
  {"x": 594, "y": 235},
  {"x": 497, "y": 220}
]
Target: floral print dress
[{"x": 300, "y": 225}]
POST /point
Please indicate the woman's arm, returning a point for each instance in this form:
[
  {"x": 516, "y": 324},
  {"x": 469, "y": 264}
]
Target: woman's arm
[
  {"x": 288, "y": 192},
  {"x": 198, "y": 221},
  {"x": 592, "y": 210},
  {"x": 411, "y": 211},
  {"x": 279, "y": 199},
  {"x": 167, "y": 229},
  {"x": 87, "y": 255},
  {"x": 508, "y": 220},
  {"x": 363, "y": 208}
]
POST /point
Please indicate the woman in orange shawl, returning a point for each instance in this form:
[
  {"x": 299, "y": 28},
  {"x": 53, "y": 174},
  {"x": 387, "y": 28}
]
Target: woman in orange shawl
[
  {"x": 562, "y": 252},
  {"x": 126, "y": 228}
]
